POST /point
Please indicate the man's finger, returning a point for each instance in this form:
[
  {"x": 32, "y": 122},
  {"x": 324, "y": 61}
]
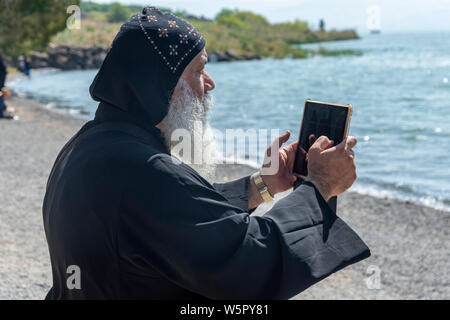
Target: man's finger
[
  {"x": 291, "y": 151},
  {"x": 350, "y": 142},
  {"x": 322, "y": 143},
  {"x": 312, "y": 139},
  {"x": 291, "y": 147},
  {"x": 351, "y": 153},
  {"x": 347, "y": 144}
]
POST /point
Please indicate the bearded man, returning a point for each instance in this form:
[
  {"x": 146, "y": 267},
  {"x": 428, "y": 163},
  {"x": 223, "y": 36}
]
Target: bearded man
[{"x": 126, "y": 219}]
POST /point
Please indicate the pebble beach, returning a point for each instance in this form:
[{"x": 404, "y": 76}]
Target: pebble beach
[{"x": 409, "y": 243}]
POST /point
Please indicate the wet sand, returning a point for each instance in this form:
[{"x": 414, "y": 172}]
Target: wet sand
[{"x": 409, "y": 243}]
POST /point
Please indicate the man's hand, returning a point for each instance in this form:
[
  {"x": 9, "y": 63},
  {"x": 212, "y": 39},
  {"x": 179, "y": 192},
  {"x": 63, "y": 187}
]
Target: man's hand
[
  {"x": 331, "y": 168},
  {"x": 284, "y": 177}
]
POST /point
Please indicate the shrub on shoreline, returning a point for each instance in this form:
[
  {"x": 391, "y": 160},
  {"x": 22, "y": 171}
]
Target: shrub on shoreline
[{"x": 242, "y": 32}]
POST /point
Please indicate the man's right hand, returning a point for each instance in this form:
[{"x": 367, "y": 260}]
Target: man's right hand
[{"x": 331, "y": 168}]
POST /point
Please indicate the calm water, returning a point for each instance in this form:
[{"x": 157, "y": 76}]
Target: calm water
[{"x": 399, "y": 87}]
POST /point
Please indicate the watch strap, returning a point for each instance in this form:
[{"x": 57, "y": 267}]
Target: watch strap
[{"x": 261, "y": 186}]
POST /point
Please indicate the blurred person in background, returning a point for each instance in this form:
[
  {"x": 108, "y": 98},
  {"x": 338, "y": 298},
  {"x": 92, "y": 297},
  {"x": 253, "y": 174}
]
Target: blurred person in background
[
  {"x": 24, "y": 66},
  {"x": 3, "y": 73}
]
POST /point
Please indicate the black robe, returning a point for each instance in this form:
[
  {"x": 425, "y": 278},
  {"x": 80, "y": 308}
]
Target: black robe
[
  {"x": 137, "y": 224},
  {"x": 140, "y": 225}
]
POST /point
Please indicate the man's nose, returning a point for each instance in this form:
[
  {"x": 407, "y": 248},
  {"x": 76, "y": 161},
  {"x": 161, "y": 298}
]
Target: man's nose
[{"x": 209, "y": 83}]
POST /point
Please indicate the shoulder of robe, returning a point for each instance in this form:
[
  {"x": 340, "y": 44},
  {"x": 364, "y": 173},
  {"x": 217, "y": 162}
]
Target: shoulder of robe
[{"x": 169, "y": 167}]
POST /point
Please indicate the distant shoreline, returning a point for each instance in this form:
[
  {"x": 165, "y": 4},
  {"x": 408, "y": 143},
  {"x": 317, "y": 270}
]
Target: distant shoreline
[{"x": 67, "y": 58}]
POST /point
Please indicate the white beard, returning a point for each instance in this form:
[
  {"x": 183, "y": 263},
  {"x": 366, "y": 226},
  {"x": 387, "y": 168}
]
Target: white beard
[{"x": 188, "y": 113}]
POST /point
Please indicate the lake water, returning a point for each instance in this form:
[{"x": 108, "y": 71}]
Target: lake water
[{"x": 399, "y": 88}]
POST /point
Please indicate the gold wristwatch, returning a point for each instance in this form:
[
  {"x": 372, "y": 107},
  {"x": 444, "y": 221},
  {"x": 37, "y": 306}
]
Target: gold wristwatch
[{"x": 262, "y": 188}]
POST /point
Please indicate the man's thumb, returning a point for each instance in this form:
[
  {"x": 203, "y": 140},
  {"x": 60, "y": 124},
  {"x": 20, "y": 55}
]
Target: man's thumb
[{"x": 283, "y": 138}]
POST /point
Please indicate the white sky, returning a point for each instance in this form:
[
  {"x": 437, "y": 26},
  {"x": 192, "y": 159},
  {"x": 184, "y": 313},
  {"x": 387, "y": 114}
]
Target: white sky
[{"x": 396, "y": 15}]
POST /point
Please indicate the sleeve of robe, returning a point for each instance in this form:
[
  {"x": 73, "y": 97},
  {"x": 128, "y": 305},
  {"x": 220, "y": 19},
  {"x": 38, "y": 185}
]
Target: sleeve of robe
[
  {"x": 196, "y": 238},
  {"x": 236, "y": 192}
]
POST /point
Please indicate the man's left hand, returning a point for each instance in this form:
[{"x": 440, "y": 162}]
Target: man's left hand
[{"x": 284, "y": 178}]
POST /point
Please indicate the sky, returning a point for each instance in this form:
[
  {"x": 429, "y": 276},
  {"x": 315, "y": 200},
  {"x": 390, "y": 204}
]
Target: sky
[{"x": 394, "y": 15}]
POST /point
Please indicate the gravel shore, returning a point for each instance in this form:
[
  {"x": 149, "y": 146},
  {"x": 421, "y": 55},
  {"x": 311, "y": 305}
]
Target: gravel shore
[{"x": 409, "y": 243}]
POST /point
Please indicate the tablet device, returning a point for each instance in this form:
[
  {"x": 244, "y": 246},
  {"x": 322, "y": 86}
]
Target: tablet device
[{"x": 320, "y": 119}]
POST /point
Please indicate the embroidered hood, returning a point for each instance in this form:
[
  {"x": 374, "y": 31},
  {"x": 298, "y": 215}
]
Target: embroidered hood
[{"x": 140, "y": 72}]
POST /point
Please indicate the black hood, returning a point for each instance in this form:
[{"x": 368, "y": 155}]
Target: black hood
[{"x": 140, "y": 72}]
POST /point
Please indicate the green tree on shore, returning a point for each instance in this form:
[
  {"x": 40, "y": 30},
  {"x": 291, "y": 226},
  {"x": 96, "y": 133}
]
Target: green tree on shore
[
  {"x": 118, "y": 13},
  {"x": 29, "y": 25},
  {"x": 239, "y": 32}
]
